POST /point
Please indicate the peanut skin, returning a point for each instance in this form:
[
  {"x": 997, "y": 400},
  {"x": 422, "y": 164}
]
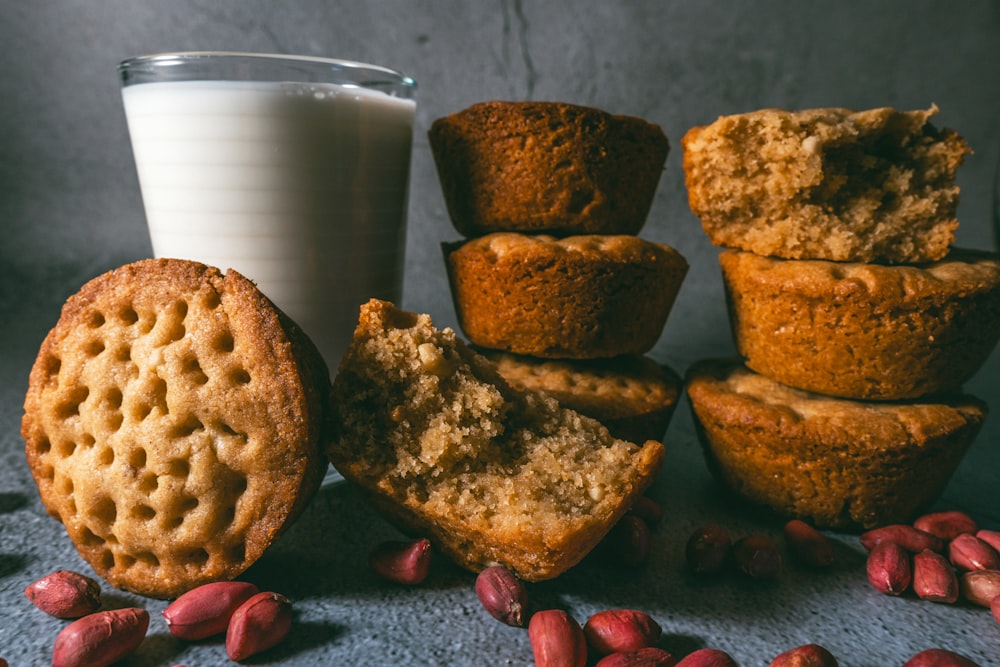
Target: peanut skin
[
  {"x": 503, "y": 595},
  {"x": 619, "y": 630},
  {"x": 968, "y": 552},
  {"x": 912, "y": 539},
  {"x": 809, "y": 655},
  {"x": 263, "y": 621},
  {"x": 403, "y": 562},
  {"x": 557, "y": 639},
  {"x": 708, "y": 550},
  {"x": 889, "y": 568},
  {"x": 101, "y": 638},
  {"x": 980, "y": 587},
  {"x": 808, "y": 545},
  {"x": 934, "y": 578},
  {"x": 205, "y": 611},
  {"x": 757, "y": 556},
  {"x": 939, "y": 657},
  {"x": 947, "y": 525},
  {"x": 643, "y": 657},
  {"x": 707, "y": 657},
  {"x": 65, "y": 594}
]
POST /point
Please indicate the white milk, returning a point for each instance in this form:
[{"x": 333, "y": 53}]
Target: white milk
[{"x": 300, "y": 187}]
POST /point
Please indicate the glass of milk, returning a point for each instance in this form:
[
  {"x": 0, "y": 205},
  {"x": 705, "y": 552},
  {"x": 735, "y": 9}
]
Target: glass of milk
[{"x": 292, "y": 170}]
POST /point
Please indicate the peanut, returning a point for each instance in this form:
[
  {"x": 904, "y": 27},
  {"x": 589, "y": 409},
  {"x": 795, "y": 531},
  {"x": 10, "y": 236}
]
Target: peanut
[
  {"x": 757, "y": 556},
  {"x": 101, "y": 638},
  {"x": 503, "y": 595},
  {"x": 648, "y": 510},
  {"x": 258, "y": 624},
  {"x": 991, "y": 537},
  {"x": 619, "y": 630},
  {"x": 968, "y": 552},
  {"x": 946, "y": 525},
  {"x": 205, "y": 611},
  {"x": 912, "y": 539},
  {"x": 402, "y": 562},
  {"x": 995, "y": 608},
  {"x": 808, "y": 544},
  {"x": 889, "y": 568},
  {"x": 708, "y": 550},
  {"x": 934, "y": 579},
  {"x": 557, "y": 639},
  {"x": 628, "y": 542},
  {"x": 643, "y": 657},
  {"x": 980, "y": 586},
  {"x": 65, "y": 594},
  {"x": 939, "y": 657},
  {"x": 808, "y": 655},
  {"x": 707, "y": 657}
]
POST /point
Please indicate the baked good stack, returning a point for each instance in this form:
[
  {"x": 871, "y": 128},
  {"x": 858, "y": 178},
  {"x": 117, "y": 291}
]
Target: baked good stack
[
  {"x": 856, "y": 320},
  {"x": 551, "y": 279}
]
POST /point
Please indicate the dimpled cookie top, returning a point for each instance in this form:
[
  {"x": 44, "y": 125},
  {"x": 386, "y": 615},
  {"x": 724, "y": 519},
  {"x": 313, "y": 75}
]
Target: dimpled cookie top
[
  {"x": 173, "y": 423},
  {"x": 865, "y": 186}
]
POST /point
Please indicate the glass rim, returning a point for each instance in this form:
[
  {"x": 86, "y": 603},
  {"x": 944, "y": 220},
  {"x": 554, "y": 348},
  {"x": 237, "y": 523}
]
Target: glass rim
[{"x": 146, "y": 63}]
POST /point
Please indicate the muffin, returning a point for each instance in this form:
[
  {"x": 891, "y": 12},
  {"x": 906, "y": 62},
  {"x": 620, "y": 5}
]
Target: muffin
[
  {"x": 632, "y": 395},
  {"x": 580, "y": 297},
  {"x": 174, "y": 423},
  {"x": 836, "y": 184},
  {"x": 546, "y": 167},
  {"x": 834, "y": 462},
  {"x": 447, "y": 450},
  {"x": 865, "y": 331}
]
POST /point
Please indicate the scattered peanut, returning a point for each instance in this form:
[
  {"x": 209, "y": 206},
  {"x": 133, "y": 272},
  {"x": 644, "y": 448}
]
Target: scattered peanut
[
  {"x": 648, "y": 510},
  {"x": 643, "y": 657},
  {"x": 947, "y": 525},
  {"x": 708, "y": 550},
  {"x": 980, "y": 587},
  {"x": 757, "y": 556},
  {"x": 101, "y": 638},
  {"x": 808, "y": 544},
  {"x": 206, "y": 610},
  {"x": 991, "y": 537},
  {"x": 809, "y": 655},
  {"x": 65, "y": 594},
  {"x": 503, "y": 595},
  {"x": 620, "y": 630},
  {"x": 260, "y": 623},
  {"x": 968, "y": 552},
  {"x": 557, "y": 639},
  {"x": 889, "y": 568},
  {"x": 934, "y": 578},
  {"x": 628, "y": 542},
  {"x": 912, "y": 539},
  {"x": 707, "y": 657},
  {"x": 939, "y": 657},
  {"x": 401, "y": 561}
]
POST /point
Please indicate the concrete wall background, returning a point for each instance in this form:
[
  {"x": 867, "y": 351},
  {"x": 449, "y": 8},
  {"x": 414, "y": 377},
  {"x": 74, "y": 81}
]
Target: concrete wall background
[{"x": 69, "y": 195}]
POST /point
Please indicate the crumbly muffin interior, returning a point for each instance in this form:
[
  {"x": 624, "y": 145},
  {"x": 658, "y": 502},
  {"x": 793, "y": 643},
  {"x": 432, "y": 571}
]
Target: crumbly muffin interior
[
  {"x": 431, "y": 423},
  {"x": 827, "y": 183}
]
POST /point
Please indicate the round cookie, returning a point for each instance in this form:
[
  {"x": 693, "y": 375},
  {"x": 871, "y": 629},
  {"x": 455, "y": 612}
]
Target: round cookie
[
  {"x": 547, "y": 167},
  {"x": 174, "y": 423},
  {"x": 633, "y": 396},
  {"x": 834, "y": 462},
  {"x": 579, "y": 297},
  {"x": 865, "y": 331}
]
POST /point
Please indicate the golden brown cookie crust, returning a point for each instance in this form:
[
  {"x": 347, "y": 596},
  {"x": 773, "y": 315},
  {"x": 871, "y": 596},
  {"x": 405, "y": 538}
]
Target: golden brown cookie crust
[
  {"x": 865, "y": 331},
  {"x": 835, "y": 462},
  {"x": 173, "y": 424}
]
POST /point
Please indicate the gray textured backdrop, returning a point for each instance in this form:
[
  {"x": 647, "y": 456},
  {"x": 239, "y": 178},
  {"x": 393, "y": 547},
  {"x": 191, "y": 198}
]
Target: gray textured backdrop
[{"x": 68, "y": 190}]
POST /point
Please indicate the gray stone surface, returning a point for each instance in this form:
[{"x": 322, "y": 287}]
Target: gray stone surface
[{"x": 70, "y": 209}]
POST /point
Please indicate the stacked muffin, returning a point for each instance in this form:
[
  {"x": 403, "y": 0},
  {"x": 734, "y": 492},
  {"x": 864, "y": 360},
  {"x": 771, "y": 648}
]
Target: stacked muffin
[
  {"x": 551, "y": 279},
  {"x": 856, "y": 321}
]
